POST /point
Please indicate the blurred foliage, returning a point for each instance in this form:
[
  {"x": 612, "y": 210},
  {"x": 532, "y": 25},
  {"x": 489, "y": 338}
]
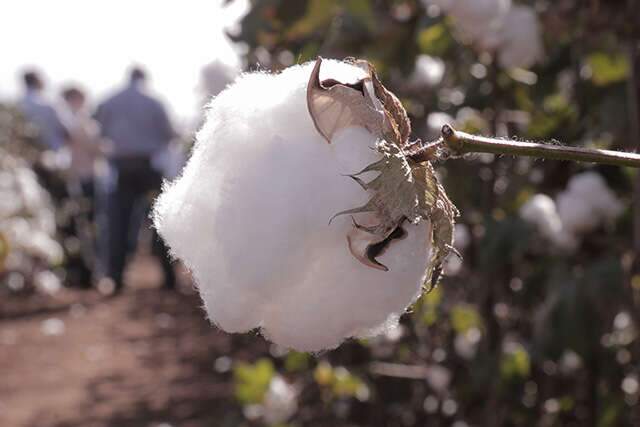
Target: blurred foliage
[
  {"x": 252, "y": 380},
  {"x": 519, "y": 333}
]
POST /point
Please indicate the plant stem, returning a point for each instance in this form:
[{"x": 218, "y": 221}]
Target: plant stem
[{"x": 462, "y": 143}]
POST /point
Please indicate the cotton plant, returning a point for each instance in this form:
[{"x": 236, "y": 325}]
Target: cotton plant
[
  {"x": 508, "y": 30},
  {"x": 584, "y": 205},
  {"x": 305, "y": 211},
  {"x": 27, "y": 220}
]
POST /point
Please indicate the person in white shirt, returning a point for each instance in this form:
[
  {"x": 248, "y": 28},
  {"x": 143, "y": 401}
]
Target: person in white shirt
[{"x": 84, "y": 141}]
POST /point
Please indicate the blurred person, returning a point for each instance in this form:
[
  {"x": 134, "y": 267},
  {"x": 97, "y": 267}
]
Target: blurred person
[
  {"x": 84, "y": 148},
  {"x": 138, "y": 128},
  {"x": 52, "y": 133},
  {"x": 84, "y": 142}
]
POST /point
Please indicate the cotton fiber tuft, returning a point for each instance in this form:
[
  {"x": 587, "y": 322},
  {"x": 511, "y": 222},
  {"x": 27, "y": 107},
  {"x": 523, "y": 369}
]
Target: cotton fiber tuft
[{"x": 250, "y": 217}]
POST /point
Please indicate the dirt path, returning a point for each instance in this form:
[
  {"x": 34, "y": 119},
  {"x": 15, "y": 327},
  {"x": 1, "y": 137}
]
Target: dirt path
[{"x": 144, "y": 358}]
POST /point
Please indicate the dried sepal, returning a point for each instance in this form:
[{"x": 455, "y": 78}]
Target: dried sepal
[
  {"x": 403, "y": 189},
  {"x": 334, "y": 106}
]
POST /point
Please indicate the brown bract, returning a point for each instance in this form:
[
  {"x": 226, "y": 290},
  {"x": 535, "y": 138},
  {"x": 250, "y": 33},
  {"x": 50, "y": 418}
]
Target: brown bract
[{"x": 404, "y": 190}]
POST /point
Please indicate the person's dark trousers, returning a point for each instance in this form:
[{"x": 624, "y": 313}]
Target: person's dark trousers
[{"x": 133, "y": 183}]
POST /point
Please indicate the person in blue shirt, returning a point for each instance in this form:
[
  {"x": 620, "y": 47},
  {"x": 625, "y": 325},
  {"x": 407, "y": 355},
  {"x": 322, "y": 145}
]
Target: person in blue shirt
[
  {"x": 51, "y": 132},
  {"x": 137, "y": 128}
]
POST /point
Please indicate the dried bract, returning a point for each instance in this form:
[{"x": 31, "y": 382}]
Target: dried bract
[{"x": 404, "y": 189}]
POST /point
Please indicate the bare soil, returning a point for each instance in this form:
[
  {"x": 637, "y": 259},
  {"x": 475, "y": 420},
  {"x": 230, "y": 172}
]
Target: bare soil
[{"x": 143, "y": 358}]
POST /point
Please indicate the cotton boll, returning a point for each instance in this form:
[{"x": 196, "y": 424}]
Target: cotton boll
[
  {"x": 250, "y": 217},
  {"x": 576, "y": 213},
  {"x": 428, "y": 71},
  {"x": 47, "y": 282},
  {"x": 215, "y": 76},
  {"x": 475, "y": 20},
  {"x": 540, "y": 210},
  {"x": 591, "y": 187},
  {"x": 30, "y": 191},
  {"x": 462, "y": 237},
  {"x": 521, "y": 44},
  {"x": 444, "y": 5},
  {"x": 280, "y": 401},
  {"x": 10, "y": 204},
  {"x": 587, "y": 202},
  {"x": 40, "y": 245}
]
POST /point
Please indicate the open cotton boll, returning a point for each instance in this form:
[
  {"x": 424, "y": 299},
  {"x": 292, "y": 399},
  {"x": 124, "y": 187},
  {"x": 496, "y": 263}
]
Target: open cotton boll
[
  {"x": 576, "y": 213},
  {"x": 250, "y": 217},
  {"x": 477, "y": 20},
  {"x": 280, "y": 401},
  {"x": 215, "y": 76},
  {"x": 542, "y": 212},
  {"x": 27, "y": 220},
  {"x": 587, "y": 202},
  {"x": 591, "y": 187},
  {"x": 428, "y": 71},
  {"x": 521, "y": 43}
]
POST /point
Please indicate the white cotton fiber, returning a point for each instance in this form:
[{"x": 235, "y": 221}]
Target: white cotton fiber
[
  {"x": 521, "y": 44},
  {"x": 587, "y": 202},
  {"x": 510, "y": 30},
  {"x": 477, "y": 20},
  {"x": 250, "y": 217},
  {"x": 541, "y": 211},
  {"x": 428, "y": 71}
]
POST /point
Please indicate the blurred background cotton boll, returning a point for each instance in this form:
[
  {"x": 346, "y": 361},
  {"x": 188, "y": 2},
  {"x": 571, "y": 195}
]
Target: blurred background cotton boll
[
  {"x": 476, "y": 19},
  {"x": 587, "y": 202},
  {"x": 428, "y": 71},
  {"x": 214, "y": 77},
  {"x": 541, "y": 211},
  {"x": 536, "y": 324},
  {"x": 521, "y": 41}
]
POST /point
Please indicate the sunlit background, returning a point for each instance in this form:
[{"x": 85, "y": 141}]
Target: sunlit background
[{"x": 93, "y": 43}]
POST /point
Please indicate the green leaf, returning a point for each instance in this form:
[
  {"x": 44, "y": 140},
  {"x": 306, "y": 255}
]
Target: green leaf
[
  {"x": 608, "y": 68},
  {"x": 464, "y": 317},
  {"x": 345, "y": 384},
  {"x": 252, "y": 380},
  {"x": 319, "y": 14},
  {"x": 296, "y": 361},
  {"x": 427, "y": 306},
  {"x": 323, "y": 374},
  {"x": 515, "y": 364},
  {"x": 361, "y": 10},
  {"x": 434, "y": 40}
]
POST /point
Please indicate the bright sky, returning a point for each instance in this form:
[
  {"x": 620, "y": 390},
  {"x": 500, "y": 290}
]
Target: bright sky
[{"x": 93, "y": 42}]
